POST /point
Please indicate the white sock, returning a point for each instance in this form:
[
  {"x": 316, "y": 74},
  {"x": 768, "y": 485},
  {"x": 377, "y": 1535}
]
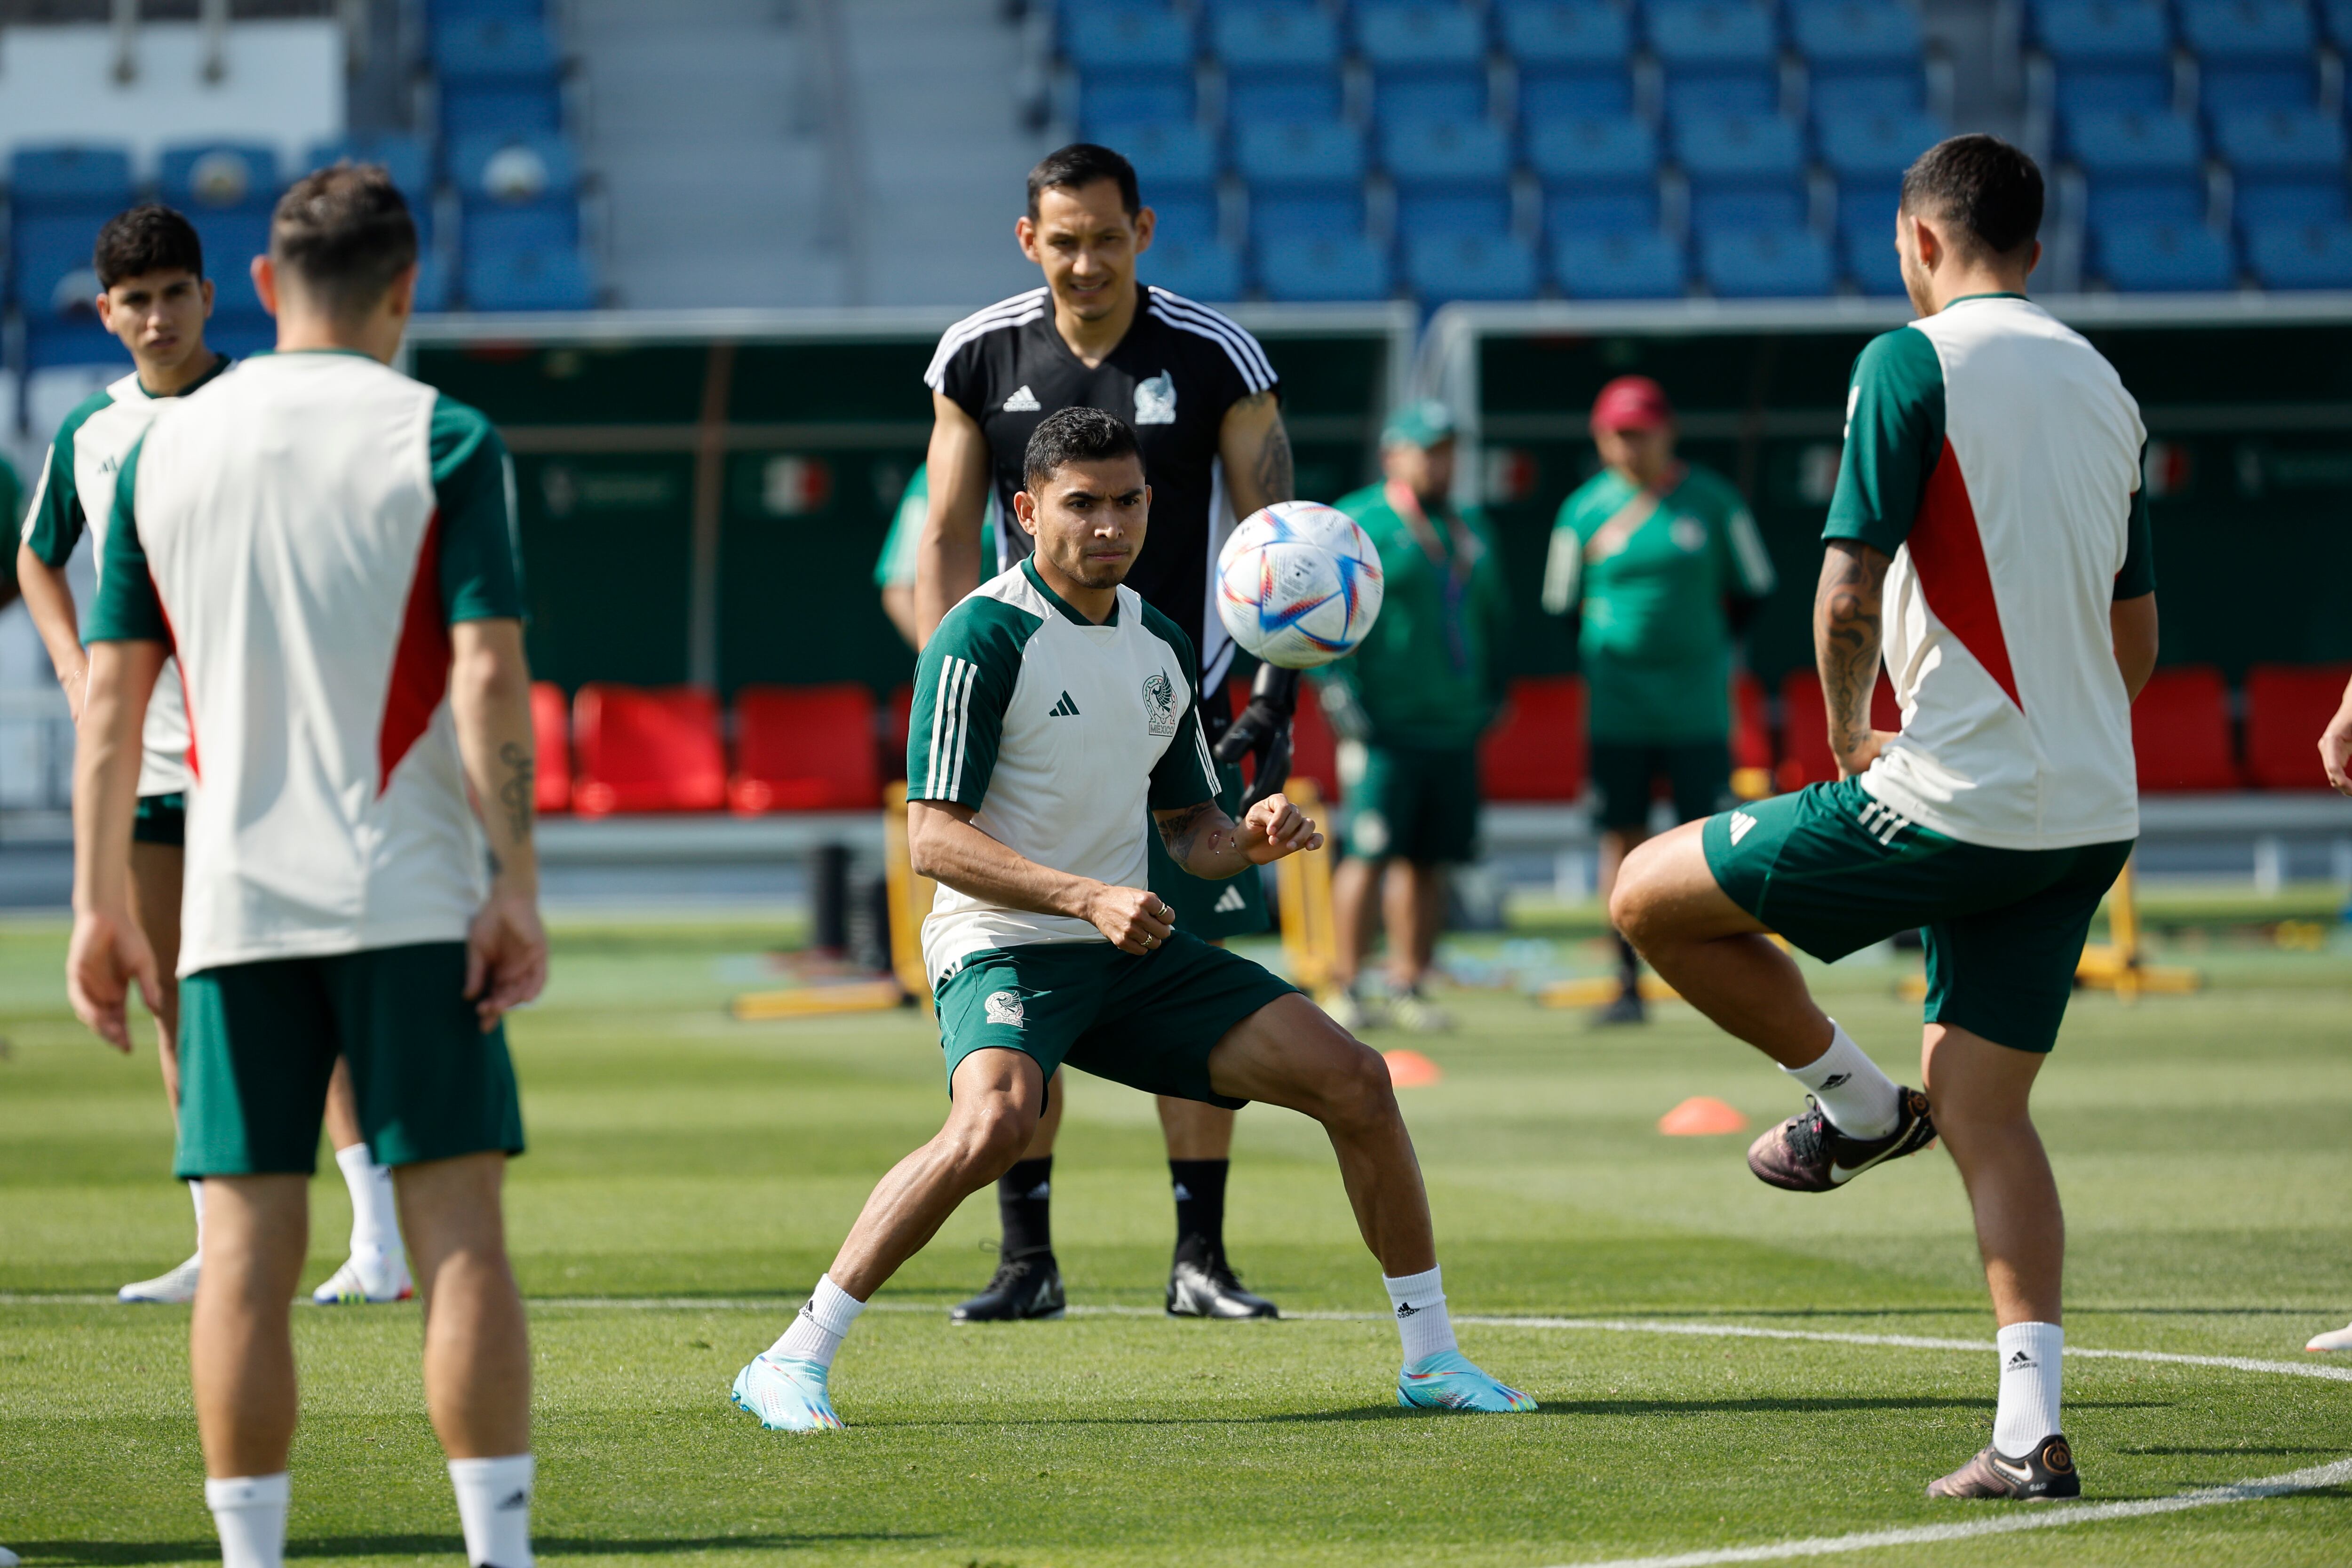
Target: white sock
[
  {"x": 2029, "y": 1354},
  {"x": 197, "y": 1197},
  {"x": 494, "y": 1509},
  {"x": 375, "y": 1217},
  {"x": 1862, "y": 1101},
  {"x": 817, "y": 1332},
  {"x": 249, "y": 1511},
  {"x": 1419, "y": 1303}
]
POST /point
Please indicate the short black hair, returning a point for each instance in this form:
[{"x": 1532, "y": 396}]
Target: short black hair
[
  {"x": 346, "y": 232},
  {"x": 1982, "y": 182},
  {"x": 1075, "y": 436},
  {"x": 1078, "y": 165},
  {"x": 150, "y": 239}
]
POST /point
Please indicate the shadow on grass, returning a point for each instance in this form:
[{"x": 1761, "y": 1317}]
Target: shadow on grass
[
  {"x": 2225, "y": 1451},
  {"x": 346, "y": 1546}
]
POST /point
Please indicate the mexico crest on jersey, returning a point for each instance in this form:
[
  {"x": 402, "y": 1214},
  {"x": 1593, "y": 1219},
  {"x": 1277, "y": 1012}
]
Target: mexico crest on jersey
[
  {"x": 1159, "y": 704},
  {"x": 1155, "y": 400}
]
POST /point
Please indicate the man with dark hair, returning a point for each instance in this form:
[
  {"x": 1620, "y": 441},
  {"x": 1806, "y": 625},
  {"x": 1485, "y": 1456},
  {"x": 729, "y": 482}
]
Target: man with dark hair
[
  {"x": 1055, "y": 710},
  {"x": 1991, "y": 535},
  {"x": 151, "y": 266},
  {"x": 1203, "y": 399},
  {"x": 328, "y": 547}
]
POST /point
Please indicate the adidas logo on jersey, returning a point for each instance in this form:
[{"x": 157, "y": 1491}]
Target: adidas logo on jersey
[
  {"x": 1023, "y": 402},
  {"x": 1230, "y": 902},
  {"x": 1741, "y": 825},
  {"x": 1064, "y": 709}
]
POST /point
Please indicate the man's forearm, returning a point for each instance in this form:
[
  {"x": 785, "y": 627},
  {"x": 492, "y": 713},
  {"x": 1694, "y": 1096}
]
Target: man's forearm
[
  {"x": 953, "y": 852},
  {"x": 1204, "y": 842},
  {"x": 1846, "y": 641},
  {"x": 947, "y": 568},
  {"x": 107, "y": 757},
  {"x": 50, "y": 601},
  {"x": 489, "y": 696}
]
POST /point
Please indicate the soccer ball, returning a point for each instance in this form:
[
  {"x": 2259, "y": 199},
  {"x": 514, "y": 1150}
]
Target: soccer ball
[{"x": 1298, "y": 584}]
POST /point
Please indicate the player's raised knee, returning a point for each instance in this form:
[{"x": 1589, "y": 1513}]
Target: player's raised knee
[
  {"x": 1638, "y": 904},
  {"x": 988, "y": 1134}
]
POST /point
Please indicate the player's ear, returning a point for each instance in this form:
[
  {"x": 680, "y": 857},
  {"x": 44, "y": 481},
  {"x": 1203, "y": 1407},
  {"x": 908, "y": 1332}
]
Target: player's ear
[
  {"x": 2034, "y": 260},
  {"x": 1024, "y": 510},
  {"x": 264, "y": 283},
  {"x": 205, "y": 287},
  {"x": 1024, "y": 234},
  {"x": 1146, "y": 222}
]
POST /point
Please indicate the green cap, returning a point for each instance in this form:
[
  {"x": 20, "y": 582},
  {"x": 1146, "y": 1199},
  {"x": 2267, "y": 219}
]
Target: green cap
[{"x": 1425, "y": 423}]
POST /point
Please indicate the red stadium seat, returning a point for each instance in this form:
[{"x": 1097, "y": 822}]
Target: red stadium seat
[
  {"x": 900, "y": 717},
  {"x": 1537, "y": 750},
  {"x": 2180, "y": 732},
  {"x": 1751, "y": 726},
  {"x": 2286, "y": 708},
  {"x": 646, "y": 749},
  {"x": 1805, "y": 756},
  {"x": 551, "y": 731},
  {"x": 805, "y": 748}
]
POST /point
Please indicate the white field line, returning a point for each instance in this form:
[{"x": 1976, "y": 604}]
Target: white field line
[{"x": 2046, "y": 1517}]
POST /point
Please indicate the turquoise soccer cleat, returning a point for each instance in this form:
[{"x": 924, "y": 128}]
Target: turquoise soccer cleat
[
  {"x": 1452, "y": 1381},
  {"x": 786, "y": 1395}
]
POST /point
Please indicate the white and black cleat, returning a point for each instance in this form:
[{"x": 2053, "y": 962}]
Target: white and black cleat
[
  {"x": 1211, "y": 1290},
  {"x": 2047, "y": 1472}
]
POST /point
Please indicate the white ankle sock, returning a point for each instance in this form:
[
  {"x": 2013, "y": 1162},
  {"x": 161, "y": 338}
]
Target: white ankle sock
[
  {"x": 1419, "y": 1300},
  {"x": 249, "y": 1511},
  {"x": 197, "y": 1197},
  {"x": 375, "y": 1217},
  {"x": 2030, "y": 1357},
  {"x": 816, "y": 1333},
  {"x": 1859, "y": 1098},
  {"x": 494, "y": 1509}
]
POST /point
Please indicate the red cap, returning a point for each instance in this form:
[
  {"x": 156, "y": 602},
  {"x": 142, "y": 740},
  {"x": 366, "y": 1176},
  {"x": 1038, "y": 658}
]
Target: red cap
[{"x": 1631, "y": 402}]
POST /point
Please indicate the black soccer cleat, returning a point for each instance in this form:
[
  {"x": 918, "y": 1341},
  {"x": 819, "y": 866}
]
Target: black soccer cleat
[
  {"x": 1629, "y": 1008},
  {"x": 2045, "y": 1473},
  {"x": 1026, "y": 1285},
  {"x": 1211, "y": 1290},
  {"x": 1807, "y": 1153}
]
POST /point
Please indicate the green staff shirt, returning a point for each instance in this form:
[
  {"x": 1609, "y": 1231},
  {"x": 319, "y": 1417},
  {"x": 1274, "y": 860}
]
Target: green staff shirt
[
  {"x": 1424, "y": 676},
  {"x": 1651, "y": 575}
]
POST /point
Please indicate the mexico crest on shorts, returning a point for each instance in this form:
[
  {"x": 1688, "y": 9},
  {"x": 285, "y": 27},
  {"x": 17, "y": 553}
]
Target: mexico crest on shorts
[
  {"x": 1159, "y": 704},
  {"x": 1155, "y": 400},
  {"x": 1004, "y": 1007}
]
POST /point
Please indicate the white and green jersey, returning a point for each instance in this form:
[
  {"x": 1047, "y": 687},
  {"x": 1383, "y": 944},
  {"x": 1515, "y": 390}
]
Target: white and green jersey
[
  {"x": 303, "y": 537},
  {"x": 1996, "y": 457},
  {"x": 1062, "y": 736},
  {"x": 75, "y": 495}
]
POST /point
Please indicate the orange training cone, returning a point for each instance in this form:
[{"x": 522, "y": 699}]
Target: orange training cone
[
  {"x": 1701, "y": 1116},
  {"x": 1410, "y": 1069}
]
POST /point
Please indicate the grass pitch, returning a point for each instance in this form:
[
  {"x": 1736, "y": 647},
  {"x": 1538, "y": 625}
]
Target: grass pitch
[{"x": 690, "y": 1177}]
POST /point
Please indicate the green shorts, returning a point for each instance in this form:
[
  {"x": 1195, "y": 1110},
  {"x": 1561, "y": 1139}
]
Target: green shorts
[
  {"x": 1416, "y": 805},
  {"x": 1834, "y": 870},
  {"x": 1210, "y": 910},
  {"x": 1148, "y": 1022},
  {"x": 259, "y": 1041},
  {"x": 1625, "y": 774},
  {"x": 162, "y": 820}
]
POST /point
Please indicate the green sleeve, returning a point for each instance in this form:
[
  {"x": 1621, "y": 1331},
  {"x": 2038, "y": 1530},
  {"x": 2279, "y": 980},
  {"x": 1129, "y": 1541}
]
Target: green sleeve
[
  {"x": 127, "y": 608},
  {"x": 1184, "y": 775},
  {"x": 54, "y": 524},
  {"x": 473, "y": 485},
  {"x": 963, "y": 683},
  {"x": 1563, "y": 583},
  {"x": 1894, "y": 437},
  {"x": 896, "y": 568},
  {"x": 2139, "y": 575}
]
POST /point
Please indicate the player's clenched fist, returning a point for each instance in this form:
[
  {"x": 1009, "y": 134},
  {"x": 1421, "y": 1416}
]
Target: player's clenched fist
[
  {"x": 1134, "y": 918},
  {"x": 1274, "y": 829}
]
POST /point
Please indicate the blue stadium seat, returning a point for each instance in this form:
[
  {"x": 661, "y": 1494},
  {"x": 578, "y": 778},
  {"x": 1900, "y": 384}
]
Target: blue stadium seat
[
  {"x": 440, "y": 12},
  {"x": 557, "y": 278},
  {"x": 233, "y": 237},
  {"x": 1766, "y": 264},
  {"x": 1870, "y": 263},
  {"x": 2252, "y": 54},
  {"x": 2272, "y": 142},
  {"x": 2165, "y": 258},
  {"x": 1168, "y": 159},
  {"x": 220, "y": 175},
  {"x": 1876, "y": 144},
  {"x": 1260, "y": 41},
  {"x": 1865, "y": 207},
  {"x": 1197, "y": 269},
  {"x": 1575, "y": 94},
  {"x": 1572, "y": 35},
  {"x": 1600, "y": 176},
  {"x": 1439, "y": 268},
  {"x": 1325, "y": 267},
  {"x": 1273, "y": 99},
  {"x": 1746, "y": 170},
  {"x": 2109, "y": 55},
  {"x": 2337, "y": 16},
  {"x": 49, "y": 267},
  {"x": 70, "y": 179},
  {"x": 2302, "y": 256},
  {"x": 504, "y": 170},
  {"x": 499, "y": 110},
  {"x": 1128, "y": 37},
  {"x": 1719, "y": 55},
  {"x": 536, "y": 225},
  {"x": 1445, "y": 154},
  {"x": 1900, "y": 91},
  {"x": 1127, "y": 101},
  {"x": 1639, "y": 266},
  {"x": 1287, "y": 217},
  {"x": 403, "y": 156},
  {"x": 2290, "y": 203},
  {"x": 1863, "y": 56},
  {"x": 1570, "y": 213},
  {"x": 1428, "y": 60},
  {"x": 1184, "y": 219},
  {"x": 2141, "y": 168},
  {"x": 432, "y": 284},
  {"x": 1300, "y": 155},
  {"x": 484, "y": 49}
]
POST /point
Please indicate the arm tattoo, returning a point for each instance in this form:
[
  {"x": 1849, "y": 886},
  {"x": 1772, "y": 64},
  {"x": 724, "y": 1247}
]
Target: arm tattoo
[
  {"x": 1846, "y": 640},
  {"x": 1182, "y": 831},
  {"x": 518, "y": 792},
  {"x": 1276, "y": 479}
]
